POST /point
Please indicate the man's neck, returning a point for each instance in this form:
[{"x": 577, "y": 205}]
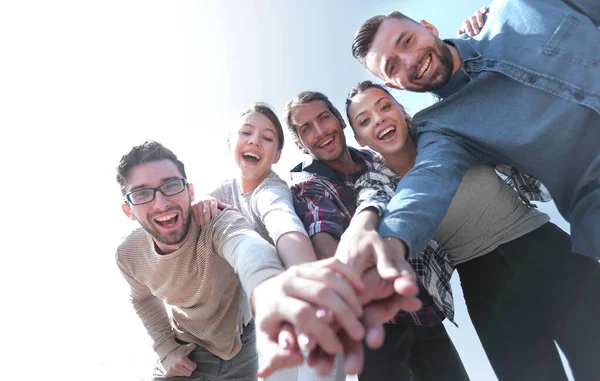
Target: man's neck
[
  {"x": 344, "y": 163},
  {"x": 456, "y": 60}
]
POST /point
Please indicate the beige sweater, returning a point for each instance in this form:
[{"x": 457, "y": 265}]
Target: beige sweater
[{"x": 198, "y": 283}]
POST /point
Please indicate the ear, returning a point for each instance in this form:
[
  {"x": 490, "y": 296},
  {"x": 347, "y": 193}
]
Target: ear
[
  {"x": 404, "y": 113},
  {"x": 360, "y": 141},
  {"x": 342, "y": 122},
  {"x": 389, "y": 84},
  {"x": 432, "y": 29},
  {"x": 191, "y": 190},
  {"x": 300, "y": 146},
  {"x": 228, "y": 145},
  {"x": 277, "y": 157},
  {"x": 127, "y": 210}
]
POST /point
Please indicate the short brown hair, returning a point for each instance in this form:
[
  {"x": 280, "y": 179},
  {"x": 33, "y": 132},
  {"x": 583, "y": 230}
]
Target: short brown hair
[
  {"x": 267, "y": 111},
  {"x": 303, "y": 98},
  {"x": 363, "y": 86},
  {"x": 366, "y": 33},
  {"x": 149, "y": 150}
]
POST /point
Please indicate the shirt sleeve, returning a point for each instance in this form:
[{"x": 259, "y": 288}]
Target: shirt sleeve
[
  {"x": 375, "y": 189},
  {"x": 151, "y": 311},
  {"x": 317, "y": 210},
  {"x": 275, "y": 207},
  {"x": 424, "y": 194},
  {"x": 252, "y": 258}
]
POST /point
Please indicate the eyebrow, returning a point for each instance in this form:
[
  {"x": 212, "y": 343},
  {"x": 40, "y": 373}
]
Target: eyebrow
[
  {"x": 318, "y": 116},
  {"x": 162, "y": 181},
  {"x": 250, "y": 125},
  {"x": 377, "y": 101},
  {"x": 389, "y": 60},
  {"x": 381, "y": 99}
]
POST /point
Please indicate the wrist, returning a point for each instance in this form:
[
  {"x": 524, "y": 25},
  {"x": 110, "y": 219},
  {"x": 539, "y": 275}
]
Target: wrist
[
  {"x": 367, "y": 218},
  {"x": 397, "y": 245}
]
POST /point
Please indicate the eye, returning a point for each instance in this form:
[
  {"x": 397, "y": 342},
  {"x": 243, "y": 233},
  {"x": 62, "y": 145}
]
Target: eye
[
  {"x": 268, "y": 139},
  {"x": 142, "y": 194},
  {"x": 304, "y": 129},
  {"x": 324, "y": 117},
  {"x": 364, "y": 122},
  {"x": 385, "y": 107},
  {"x": 392, "y": 69},
  {"x": 407, "y": 41},
  {"x": 245, "y": 133},
  {"x": 171, "y": 185}
]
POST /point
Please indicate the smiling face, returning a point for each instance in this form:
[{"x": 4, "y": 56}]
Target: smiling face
[
  {"x": 166, "y": 218},
  {"x": 378, "y": 121},
  {"x": 254, "y": 146},
  {"x": 408, "y": 55},
  {"x": 320, "y": 133}
]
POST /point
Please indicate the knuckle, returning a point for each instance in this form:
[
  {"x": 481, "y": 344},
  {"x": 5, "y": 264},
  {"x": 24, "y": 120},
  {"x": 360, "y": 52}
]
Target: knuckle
[
  {"x": 304, "y": 313},
  {"x": 323, "y": 293}
]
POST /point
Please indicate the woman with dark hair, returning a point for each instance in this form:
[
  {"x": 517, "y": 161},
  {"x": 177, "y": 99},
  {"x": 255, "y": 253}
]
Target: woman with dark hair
[{"x": 510, "y": 258}]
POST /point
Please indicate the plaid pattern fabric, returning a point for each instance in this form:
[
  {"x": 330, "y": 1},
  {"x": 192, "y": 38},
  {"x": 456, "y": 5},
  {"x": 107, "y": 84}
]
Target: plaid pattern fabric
[
  {"x": 527, "y": 187},
  {"x": 375, "y": 189},
  {"x": 324, "y": 198},
  {"x": 325, "y": 201},
  {"x": 434, "y": 271}
]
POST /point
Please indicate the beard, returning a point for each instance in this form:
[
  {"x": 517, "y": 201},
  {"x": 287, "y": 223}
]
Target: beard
[
  {"x": 444, "y": 70},
  {"x": 171, "y": 238}
]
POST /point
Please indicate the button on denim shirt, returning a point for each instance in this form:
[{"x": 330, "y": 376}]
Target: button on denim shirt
[{"x": 527, "y": 94}]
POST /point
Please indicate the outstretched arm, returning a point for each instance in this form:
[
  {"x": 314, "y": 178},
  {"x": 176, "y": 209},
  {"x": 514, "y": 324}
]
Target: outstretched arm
[
  {"x": 275, "y": 207},
  {"x": 424, "y": 194}
]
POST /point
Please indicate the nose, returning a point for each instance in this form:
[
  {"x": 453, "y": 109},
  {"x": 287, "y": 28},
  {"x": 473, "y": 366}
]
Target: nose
[
  {"x": 320, "y": 130},
  {"x": 377, "y": 119},
  {"x": 253, "y": 139},
  {"x": 161, "y": 202}
]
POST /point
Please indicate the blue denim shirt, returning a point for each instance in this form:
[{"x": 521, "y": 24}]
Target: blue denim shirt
[{"x": 528, "y": 95}]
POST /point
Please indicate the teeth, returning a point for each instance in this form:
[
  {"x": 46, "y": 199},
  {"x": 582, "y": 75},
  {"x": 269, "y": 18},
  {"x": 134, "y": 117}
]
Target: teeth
[
  {"x": 250, "y": 154},
  {"x": 326, "y": 142},
  {"x": 424, "y": 67},
  {"x": 167, "y": 217},
  {"x": 382, "y": 134}
]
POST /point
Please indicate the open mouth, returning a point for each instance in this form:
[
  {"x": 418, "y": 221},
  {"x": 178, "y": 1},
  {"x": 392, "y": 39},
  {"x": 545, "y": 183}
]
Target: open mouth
[
  {"x": 251, "y": 157},
  {"x": 387, "y": 133},
  {"x": 424, "y": 67},
  {"x": 167, "y": 221},
  {"x": 328, "y": 143}
]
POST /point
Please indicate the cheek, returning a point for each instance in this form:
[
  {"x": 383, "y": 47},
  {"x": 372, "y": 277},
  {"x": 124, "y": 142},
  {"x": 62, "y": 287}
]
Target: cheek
[{"x": 237, "y": 146}]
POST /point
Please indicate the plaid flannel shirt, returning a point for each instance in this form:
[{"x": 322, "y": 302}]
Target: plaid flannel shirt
[
  {"x": 376, "y": 188},
  {"x": 325, "y": 201},
  {"x": 324, "y": 198}
]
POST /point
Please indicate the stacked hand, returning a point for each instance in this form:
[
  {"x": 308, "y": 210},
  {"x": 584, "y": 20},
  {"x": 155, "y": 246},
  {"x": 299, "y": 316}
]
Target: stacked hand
[{"x": 327, "y": 306}]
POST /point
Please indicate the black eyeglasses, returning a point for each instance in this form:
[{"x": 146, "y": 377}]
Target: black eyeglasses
[{"x": 146, "y": 195}]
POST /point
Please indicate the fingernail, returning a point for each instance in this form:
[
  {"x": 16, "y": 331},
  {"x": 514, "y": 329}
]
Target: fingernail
[
  {"x": 285, "y": 343},
  {"x": 303, "y": 341},
  {"x": 322, "y": 313}
]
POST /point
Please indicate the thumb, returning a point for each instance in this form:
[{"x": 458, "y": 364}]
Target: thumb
[
  {"x": 221, "y": 205},
  {"x": 189, "y": 348}
]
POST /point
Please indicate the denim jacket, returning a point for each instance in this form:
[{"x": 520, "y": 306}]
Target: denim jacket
[{"x": 527, "y": 95}]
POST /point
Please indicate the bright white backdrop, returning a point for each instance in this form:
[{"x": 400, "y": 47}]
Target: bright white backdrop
[{"x": 83, "y": 81}]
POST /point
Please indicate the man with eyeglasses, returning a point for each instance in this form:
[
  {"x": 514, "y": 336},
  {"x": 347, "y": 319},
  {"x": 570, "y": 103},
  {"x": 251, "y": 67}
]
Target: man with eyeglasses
[{"x": 197, "y": 275}]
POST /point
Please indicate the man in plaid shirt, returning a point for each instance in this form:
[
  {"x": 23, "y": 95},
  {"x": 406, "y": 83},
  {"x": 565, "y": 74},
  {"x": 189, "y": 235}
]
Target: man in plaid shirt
[{"x": 325, "y": 200}]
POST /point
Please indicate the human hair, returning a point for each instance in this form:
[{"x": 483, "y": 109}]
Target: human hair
[
  {"x": 363, "y": 86},
  {"x": 303, "y": 98},
  {"x": 148, "y": 151},
  {"x": 267, "y": 111},
  {"x": 366, "y": 33}
]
